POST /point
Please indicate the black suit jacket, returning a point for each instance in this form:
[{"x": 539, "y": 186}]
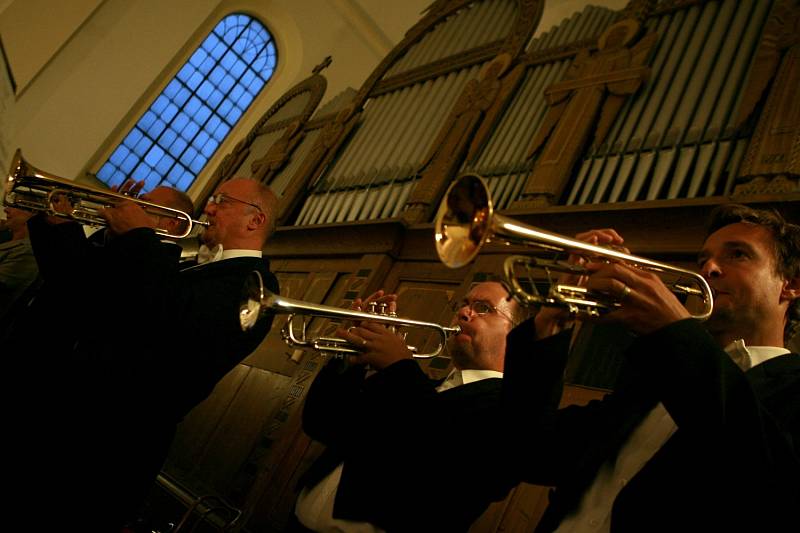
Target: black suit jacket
[
  {"x": 128, "y": 316},
  {"x": 414, "y": 459},
  {"x": 208, "y": 341},
  {"x": 732, "y": 464},
  {"x": 129, "y": 345}
]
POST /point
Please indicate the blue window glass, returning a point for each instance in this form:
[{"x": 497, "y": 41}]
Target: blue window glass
[
  {"x": 119, "y": 155},
  {"x": 164, "y": 165},
  {"x": 154, "y": 156},
  {"x": 128, "y": 164},
  {"x": 221, "y": 131},
  {"x": 178, "y": 146},
  {"x": 143, "y": 146},
  {"x": 169, "y": 113},
  {"x": 106, "y": 174},
  {"x": 141, "y": 172},
  {"x": 186, "y": 123}
]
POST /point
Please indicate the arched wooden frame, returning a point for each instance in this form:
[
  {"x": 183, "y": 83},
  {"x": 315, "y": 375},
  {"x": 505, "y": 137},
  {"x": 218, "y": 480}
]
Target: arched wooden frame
[{"x": 280, "y": 152}]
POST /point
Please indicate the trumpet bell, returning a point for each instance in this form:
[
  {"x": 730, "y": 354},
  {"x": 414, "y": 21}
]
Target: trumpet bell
[
  {"x": 462, "y": 223},
  {"x": 253, "y": 294}
]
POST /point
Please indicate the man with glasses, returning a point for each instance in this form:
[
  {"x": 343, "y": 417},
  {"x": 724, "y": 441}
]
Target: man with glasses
[
  {"x": 227, "y": 229},
  {"x": 147, "y": 342},
  {"x": 404, "y": 454},
  {"x": 241, "y": 216}
]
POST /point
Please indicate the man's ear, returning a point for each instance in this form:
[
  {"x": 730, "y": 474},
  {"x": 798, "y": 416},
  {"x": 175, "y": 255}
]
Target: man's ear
[
  {"x": 791, "y": 289},
  {"x": 257, "y": 220}
]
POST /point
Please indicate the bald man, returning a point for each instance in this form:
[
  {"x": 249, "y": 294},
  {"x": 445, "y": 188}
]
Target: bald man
[{"x": 151, "y": 340}]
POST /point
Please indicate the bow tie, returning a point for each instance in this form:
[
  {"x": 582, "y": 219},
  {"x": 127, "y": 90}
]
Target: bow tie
[{"x": 209, "y": 255}]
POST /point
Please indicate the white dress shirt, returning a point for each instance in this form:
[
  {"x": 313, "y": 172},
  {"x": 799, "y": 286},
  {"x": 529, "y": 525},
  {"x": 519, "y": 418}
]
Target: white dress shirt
[
  {"x": 314, "y": 507},
  {"x": 593, "y": 515}
]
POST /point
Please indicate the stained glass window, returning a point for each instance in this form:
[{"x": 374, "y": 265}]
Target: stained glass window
[{"x": 186, "y": 123}]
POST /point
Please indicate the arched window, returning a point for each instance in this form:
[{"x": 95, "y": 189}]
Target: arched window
[{"x": 186, "y": 123}]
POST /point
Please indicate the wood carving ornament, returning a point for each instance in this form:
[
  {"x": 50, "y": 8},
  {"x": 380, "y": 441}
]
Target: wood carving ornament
[
  {"x": 595, "y": 86},
  {"x": 331, "y": 134},
  {"x": 278, "y": 154},
  {"x": 231, "y": 162},
  {"x": 478, "y": 96},
  {"x": 772, "y": 162}
]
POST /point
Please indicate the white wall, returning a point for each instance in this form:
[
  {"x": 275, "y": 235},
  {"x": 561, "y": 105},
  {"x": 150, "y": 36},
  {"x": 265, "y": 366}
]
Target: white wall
[{"x": 78, "y": 104}]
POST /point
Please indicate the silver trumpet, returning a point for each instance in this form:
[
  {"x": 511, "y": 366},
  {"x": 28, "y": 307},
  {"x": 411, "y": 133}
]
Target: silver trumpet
[
  {"x": 466, "y": 221},
  {"x": 30, "y": 188},
  {"x": 257, "y": 301}
]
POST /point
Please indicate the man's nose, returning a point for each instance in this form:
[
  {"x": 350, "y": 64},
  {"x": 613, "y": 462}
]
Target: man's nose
[
  {"x": 210, "y": 208},
  {"x": 465, "y": 313},
  {"x": 711, "y": 269}
]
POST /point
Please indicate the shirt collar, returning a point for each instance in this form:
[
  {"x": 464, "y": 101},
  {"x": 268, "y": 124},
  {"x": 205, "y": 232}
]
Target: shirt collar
[
  {"x": 458, "y": 377},
  {"x": 472, "y": 375},
  {"x": 746, "y": 357},
  {"x": 230, "y": 254}
]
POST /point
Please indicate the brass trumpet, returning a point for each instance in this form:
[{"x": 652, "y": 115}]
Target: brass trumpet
[
  {"x": 29, "y": 188},
  {"x": 257, "y": 301},
  {"x": 466, "y": 221}
]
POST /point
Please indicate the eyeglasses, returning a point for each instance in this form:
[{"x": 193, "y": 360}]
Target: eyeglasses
[
  {"x": 220, "y": 198},
  {"x": 482, "y": 308}
]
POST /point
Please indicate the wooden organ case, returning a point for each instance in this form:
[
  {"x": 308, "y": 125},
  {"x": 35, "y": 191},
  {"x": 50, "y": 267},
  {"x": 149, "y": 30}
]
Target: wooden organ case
[{"x": 641, "y": 120}]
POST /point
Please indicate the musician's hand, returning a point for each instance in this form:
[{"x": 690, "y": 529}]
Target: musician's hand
[
  {"x": 379, "y": 345},
  {"x": 378, "y": 297},
  {"x": 551, "y": 320},
  {"x": 60, "y": 204},
  {"x": 127, "y": 216},
  {"x": 646, "y": 303},
  {"x": 130, "y": 187}
]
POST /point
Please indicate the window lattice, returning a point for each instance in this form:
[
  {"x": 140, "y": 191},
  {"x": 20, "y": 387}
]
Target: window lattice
[{"x": 186, "y": 123}]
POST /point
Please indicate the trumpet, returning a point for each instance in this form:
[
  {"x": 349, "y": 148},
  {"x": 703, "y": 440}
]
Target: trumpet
[
  {"x": 28, "y": 187},
  {"x": 466, "y": 221},
  {"x": 257, "y": 301}
]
